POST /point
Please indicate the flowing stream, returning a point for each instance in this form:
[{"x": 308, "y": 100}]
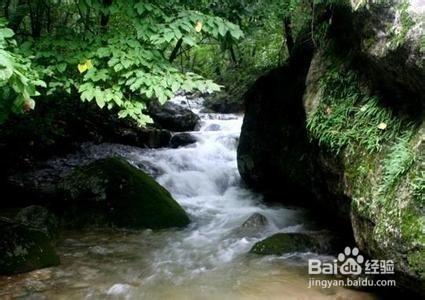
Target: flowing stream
[{"x": 207, "y": 260}]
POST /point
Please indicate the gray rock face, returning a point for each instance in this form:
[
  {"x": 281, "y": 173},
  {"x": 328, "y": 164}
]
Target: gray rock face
[
  {"x": 173, "y": 117},
  {"x": 391, "y": 52},
  {"x": 40, "y": 218}
]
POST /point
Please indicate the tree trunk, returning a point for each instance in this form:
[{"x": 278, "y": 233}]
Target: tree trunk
[
  {"x": 233, "y": 55},
  {"x": 36, "y": 16},
  {"x": 6, "y": 9},
  {"x": 104, "y": 18},
  {"x": 175, "y": 51},
  {"x": 288, "y": 34}
]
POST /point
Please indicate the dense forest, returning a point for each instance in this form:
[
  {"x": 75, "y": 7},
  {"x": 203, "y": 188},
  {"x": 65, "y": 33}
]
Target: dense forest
[{"x": 212, "y": 149}]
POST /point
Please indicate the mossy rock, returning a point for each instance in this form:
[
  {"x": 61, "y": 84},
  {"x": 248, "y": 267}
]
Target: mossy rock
[
  {"x": 113, "y": 192},
  {"x": 23, "y": 248},
  {"x": 282, "y": 243},
  {"x": 40, "y": 218}
]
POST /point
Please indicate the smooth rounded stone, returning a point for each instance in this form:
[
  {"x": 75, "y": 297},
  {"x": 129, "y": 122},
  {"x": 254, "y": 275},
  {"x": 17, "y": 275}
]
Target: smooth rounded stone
[
  {"x": 213, "y": 127},
  {"x": 112, "y": 192},
  {"x": 182, "y": 139},
  {"x": 41, "y": 218},
  {"x": 256, "y": 220},
  {"x": 24, "y": 248},
  {"x": 119, "y": 289},
  {"x": 282, "y": 243},
  {"x": 173, "y": 117}
]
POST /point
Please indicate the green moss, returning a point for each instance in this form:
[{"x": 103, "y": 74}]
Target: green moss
[
  {"x": 282, "y": 243},
  {"x": 399, "y": 35},
  {"x": 413, "y": 225},
  {"x": 113, "y": 191},
  {"x": 418, "y": 185},
  {"x": 396, "y": 164},
  {"x": 348, "y": 116},
  {"x": 416, "y": 261}
]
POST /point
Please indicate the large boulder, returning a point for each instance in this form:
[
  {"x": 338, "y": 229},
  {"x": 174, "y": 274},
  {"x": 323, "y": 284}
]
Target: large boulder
[
  {"x": 385, "y": 185},
  {"x": 24, "y": 248},
  {"x": 173, "y": 117},
  {"x": 111, "y": 191},
  {"x": 273, "y": 151}
]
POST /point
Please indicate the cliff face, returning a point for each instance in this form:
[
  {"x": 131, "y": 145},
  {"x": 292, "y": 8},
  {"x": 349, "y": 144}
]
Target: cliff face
[{"x": 357, "y": 144}]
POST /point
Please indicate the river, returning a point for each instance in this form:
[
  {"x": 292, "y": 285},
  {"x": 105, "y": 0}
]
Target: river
[{"x": 207, "y": 260}]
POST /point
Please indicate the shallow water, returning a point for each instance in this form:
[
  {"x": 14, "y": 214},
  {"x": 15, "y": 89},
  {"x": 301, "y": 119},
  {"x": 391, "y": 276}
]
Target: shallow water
[{"x": 207, "y": 260}]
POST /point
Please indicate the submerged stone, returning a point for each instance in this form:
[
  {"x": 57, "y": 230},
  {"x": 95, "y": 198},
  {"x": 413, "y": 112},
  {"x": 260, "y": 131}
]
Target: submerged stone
[{"x": 282, "y": 243}]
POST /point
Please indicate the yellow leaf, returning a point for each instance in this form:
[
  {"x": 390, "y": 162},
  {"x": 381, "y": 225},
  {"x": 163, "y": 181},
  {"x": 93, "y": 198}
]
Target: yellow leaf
[
  {"x": 87, "y": 65},
  {"x": 382, "y": 126},
  {"x": 198, "y": 26}
]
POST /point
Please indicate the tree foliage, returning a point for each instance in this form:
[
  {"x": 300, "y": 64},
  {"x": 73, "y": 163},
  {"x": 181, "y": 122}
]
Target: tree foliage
[
  {"x": 117, "y": 53},
  {"x": 18, "y": 81}
]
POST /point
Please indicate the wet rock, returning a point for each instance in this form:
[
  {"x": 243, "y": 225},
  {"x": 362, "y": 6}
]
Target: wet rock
[
  {"x": 213, "y": 127},
  {"x": 23, "y": 248},
  {"x": 147, "y": 137},
  {"x": 182, "y": 139},
  {"x": 206, "y": 111},
  {"x": 274, "y": 153},
  {"x": 283, "y": 243},
  {"x": 222, "y": 102},
  {"x": 40, "y": 218},
  {"x": 256, "y": 220},
  {"x": 113, "y": 192},
  {"x": 173, "y": 117},
  {"x": 254, "y": 226}
]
